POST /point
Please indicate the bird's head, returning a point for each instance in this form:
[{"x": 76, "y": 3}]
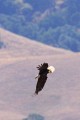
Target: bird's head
[{"x": 51, "y": 69}]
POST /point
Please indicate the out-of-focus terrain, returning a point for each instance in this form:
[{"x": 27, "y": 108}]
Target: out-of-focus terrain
[{"x": 60, "y": 98}]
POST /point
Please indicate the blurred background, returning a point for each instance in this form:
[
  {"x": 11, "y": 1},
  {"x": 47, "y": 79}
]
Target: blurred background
[{"x": 53, "y": 22}]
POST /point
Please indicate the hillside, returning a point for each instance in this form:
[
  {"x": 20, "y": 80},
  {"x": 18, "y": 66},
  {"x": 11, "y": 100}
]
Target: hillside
[
  {"x": 60, "y": 98},
  {"x": 15, "y": 46}
]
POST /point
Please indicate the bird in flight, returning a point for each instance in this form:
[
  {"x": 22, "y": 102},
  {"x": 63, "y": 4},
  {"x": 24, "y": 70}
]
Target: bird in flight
[{"x": 44, "y": 69}]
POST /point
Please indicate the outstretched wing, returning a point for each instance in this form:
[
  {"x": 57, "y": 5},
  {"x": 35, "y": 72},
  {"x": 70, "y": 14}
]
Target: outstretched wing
[
  {"x": 42, "y": 66},
  {"x": 40, "y": 84}
]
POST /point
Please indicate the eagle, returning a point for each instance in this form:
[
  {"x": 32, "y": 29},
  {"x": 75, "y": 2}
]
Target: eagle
[{"x": 44, "y": 69}]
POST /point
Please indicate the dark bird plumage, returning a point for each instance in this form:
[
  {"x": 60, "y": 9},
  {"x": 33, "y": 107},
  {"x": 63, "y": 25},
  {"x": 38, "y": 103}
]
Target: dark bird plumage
[{"x": 42, "y": 76}]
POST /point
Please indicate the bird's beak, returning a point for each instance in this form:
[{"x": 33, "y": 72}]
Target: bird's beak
[{"x": 50, "y": 71}]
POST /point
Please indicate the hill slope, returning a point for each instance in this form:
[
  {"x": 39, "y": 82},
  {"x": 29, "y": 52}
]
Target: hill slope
[
  {"x": 59, "y": 100},
  {"x": 14, "y": 45}
]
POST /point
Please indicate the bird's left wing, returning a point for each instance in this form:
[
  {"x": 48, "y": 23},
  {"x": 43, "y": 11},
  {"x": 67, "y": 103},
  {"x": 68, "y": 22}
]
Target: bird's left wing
[{"x": 42, "y": 66}]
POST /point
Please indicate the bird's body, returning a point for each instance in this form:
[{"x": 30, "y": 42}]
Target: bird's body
[
  {"x": 42, "y": 76},
  {"x": 40, "y": 84}
]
